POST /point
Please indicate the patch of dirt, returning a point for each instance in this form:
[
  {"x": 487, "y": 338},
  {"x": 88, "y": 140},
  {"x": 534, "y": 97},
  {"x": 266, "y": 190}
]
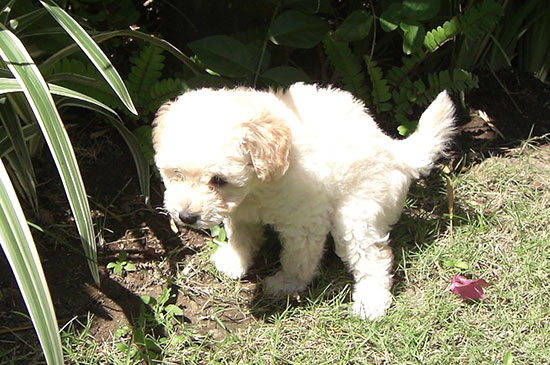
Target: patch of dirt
[{"x": 128, "y": 225}]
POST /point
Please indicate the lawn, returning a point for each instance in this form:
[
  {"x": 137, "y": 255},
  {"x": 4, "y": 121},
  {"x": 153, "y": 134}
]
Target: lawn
[{"x": 499, "y": 233}]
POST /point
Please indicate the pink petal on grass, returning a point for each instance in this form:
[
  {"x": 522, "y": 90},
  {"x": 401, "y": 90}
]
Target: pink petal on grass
[{"x": 469, "y": 289}]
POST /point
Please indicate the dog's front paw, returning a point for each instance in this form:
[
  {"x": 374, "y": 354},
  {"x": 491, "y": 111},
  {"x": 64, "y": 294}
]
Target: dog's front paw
[
  {"x": 283, "y": 284},
  {"x": 371, "y": 305},
  {"x": 229, "y": 262}
]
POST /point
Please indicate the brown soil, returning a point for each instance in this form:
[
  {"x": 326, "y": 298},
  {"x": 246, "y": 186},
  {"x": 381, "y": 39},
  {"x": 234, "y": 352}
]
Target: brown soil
[{"x": 515, "y": 113}]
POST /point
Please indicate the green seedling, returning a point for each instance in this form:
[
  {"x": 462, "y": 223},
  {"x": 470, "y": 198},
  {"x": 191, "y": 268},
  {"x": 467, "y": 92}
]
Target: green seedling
[
  {"x": 219, "y": 238},
  {"x": 121, "y": 264},
  {"x": 457, "y": 264}
]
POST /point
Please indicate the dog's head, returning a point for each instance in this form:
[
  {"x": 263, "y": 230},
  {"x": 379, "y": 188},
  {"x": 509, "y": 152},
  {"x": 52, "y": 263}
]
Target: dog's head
[{"x": 212, "y": 147}]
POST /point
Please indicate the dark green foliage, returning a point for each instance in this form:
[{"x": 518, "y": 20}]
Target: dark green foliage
[
  {"x": 144, "y": 81},
  {"x": 146, "y": 69},
  {"x": 411, "y": 83},
  {"x": 296, "y": 29},
  {"x": 474, "y": 23},
  {"x": 348, "y": 68},
  {"x": 380, "y": 89},
  {"x": 83, "y": 77},
  {"x": 522, "y": 38},
  {"x": 224, "y": 55}
]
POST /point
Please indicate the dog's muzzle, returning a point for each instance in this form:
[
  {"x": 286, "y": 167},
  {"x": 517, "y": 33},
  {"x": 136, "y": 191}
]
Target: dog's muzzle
[{"x": 188, "y": 218}]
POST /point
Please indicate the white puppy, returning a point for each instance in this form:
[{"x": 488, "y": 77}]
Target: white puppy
[{"x": 309, "y": 161}]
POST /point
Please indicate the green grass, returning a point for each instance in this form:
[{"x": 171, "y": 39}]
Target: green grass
[{"x": 500, "y": 234}]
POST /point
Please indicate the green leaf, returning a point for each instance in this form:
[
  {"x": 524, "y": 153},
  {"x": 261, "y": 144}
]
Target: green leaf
[
  {"x": 354, "y": 28},
  {"x": 221, "y": 235},
  {"x": 92, "y": 50},
  {"x": 40, "y": 100},
  {"x": 284, "y": 76},
  {"x": 215, "y": 231},
  {"x": 295, "y": 29},
  {"x": 18, "y": 245},
  {"x": 118, "y": 267},
  {"x": 81, "y": 100},
  {"x": 391, "y": 17},
  {"x": 134, "y": 34},
  {"x": 173, "y": 310},
  {"x": 30, "y": 131},
  {"x": 225, "y": 55},
  {"x": 145, "y": 72},
  {"x": 421, "y": 9},
  {"x": 149, "y": 300},
  {"x": 508, "y": 359},
  {"x": 413, "y": 36},
  {"x": 346, "y": 66},
  {"x": 380, "y": 88},
  {"x": 20, "y": 159}
]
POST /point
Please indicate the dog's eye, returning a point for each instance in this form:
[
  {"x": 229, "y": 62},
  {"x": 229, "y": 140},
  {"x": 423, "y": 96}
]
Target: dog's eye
[{"x": 218, "y": 181}]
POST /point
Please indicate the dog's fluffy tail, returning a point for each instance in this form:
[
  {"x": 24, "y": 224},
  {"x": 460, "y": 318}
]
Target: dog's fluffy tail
[{"x": 432, "y": 136}]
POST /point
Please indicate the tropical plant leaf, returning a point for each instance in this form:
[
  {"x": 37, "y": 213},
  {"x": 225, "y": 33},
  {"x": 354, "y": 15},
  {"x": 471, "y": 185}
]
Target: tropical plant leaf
[
  {"x": 225, "y": 55},
  {"x": 284, "y": 76},
  {"x": 295, "y": 29},
  {"x": 421, "y": 9},
  {"x": 413, "y": 36},
  {"x": 92, "y": 50},
  {"x": 18, "y": 245},
  {"x": 40, "y": 100},
  {"x": 355, "y": 27}
]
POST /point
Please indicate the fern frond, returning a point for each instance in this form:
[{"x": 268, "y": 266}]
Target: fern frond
[
  {"x": 474, "y": 23},
  {"x": 346, "y": 66},
  {"x": 380, "y": 89},
  {"x": 398, "y": 74},
  {"x": 145, "y": 72},
  {"x": 164, "y": 90},
  {"x": 458, "y": 81}
]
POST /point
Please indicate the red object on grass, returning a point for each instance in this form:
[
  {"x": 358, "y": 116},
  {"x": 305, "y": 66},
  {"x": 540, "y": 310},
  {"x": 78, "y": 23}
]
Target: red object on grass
[{"x": 469, "y": 289}]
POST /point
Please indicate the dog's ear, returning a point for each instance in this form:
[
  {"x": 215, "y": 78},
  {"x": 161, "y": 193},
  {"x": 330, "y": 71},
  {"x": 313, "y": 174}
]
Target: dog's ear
[
  {"x": 158, "y": 123},
  {"x": 267, "y": 140}
]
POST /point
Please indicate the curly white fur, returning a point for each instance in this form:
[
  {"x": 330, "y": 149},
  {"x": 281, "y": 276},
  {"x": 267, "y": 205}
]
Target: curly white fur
[{"x": 308, "y": 161}]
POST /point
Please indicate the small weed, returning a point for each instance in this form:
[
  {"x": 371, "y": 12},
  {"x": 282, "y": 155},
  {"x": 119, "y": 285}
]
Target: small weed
[
  {"x": 121, "y": 264},
  {"x": 219, "y": 238},
  {"x": 456, "y": 264}
]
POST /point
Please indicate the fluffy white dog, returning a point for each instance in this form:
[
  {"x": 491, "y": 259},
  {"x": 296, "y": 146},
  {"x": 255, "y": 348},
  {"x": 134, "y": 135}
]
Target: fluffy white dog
[{"x": 309, "y": 161}]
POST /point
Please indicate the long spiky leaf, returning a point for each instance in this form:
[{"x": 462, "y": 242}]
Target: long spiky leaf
[
  {"x": 40, "y": 100},
  {"x": 92, "y": 50}
]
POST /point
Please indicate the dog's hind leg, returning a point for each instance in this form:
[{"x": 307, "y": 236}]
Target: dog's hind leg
[
  {"x": 361, "y": 241},
  {"x": 234, "y": 258}
]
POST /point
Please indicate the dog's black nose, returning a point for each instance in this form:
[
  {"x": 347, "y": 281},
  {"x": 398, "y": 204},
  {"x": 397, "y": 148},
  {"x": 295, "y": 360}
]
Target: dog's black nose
[{"x": 188, "y": 218}]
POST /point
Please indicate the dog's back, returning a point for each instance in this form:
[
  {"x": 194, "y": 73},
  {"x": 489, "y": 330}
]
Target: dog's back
[{"x": 331, "y": 123}]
